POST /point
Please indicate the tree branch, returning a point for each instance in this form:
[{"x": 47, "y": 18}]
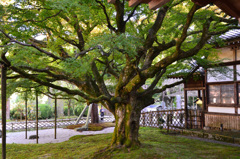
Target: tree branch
[
  {"x": 64, "y": 89},
  {"x": 131, "y": 14},
  {"x": 173, "y": 84},
  {"x": 32, "y": 45},
  {"x": 40, "y": 21},
  {"x": 186, "y": 26},
  {"x": 154, "y": 83},
  {"x": 156, "y": 26},
  {"x": 107, "y": 17},
  {"x": 47, "y": 70},
  {"x": 100, "y": 81}
]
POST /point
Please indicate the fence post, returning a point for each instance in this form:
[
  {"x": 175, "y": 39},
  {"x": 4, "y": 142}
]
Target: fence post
[
  {"x": 4, "y": 105},
  {"x": 186, "y": 108},
  {"x": 167, "y": 123}
]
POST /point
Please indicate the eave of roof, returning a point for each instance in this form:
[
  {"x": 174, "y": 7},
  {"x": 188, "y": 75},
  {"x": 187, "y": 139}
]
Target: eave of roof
[{"x": 231, "y": 7}]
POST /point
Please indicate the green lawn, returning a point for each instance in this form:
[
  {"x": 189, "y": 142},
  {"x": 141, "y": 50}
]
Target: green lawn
[{"x": 154, "y": 145}]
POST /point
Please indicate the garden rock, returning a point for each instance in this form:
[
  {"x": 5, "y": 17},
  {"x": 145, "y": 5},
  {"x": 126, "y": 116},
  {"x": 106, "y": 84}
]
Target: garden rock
[{"x": 33, "y": 137}]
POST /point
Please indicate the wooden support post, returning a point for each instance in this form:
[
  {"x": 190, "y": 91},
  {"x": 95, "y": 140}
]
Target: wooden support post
[
  {"x": 4, "y": 105},
  {"x": 186, "y": 109},
  {"x": 37, "y": 115},
  {"x": 199, "y": 93},
  {"x": 168, "y": 123},
  {"x": 26, "y": 115},
  {"x": 55, "y": 128},
  {"x": 80, "y": 116},
  {"x": 203, "y": 109}
]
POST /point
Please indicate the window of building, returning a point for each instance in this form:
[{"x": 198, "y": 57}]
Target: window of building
[
  {"x": 238, "y": 72},
  {"x": 221, "y": 94}
]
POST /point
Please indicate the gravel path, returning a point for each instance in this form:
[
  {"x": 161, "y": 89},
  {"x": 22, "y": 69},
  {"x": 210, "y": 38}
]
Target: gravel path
[{"x": 47, "y": 135}]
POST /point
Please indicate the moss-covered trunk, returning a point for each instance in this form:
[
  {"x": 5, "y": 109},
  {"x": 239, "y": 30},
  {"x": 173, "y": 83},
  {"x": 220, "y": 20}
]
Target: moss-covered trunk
[{"x": 127, "y": 125}]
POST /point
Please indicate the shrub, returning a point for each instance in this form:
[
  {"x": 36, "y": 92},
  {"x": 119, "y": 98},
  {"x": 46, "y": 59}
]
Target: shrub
[
  {"x": 46, "y": 111},
  {"x": 66, "y": 111},
  {"x": 79, "y": 109},
  {"x": 17, "y": 113}
]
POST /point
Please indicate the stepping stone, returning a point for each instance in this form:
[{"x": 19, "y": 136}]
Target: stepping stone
[{"x": 33, "y": 137}]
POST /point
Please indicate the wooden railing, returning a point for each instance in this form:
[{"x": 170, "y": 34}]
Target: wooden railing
[
  {"x": 13, "y": 126},
  {"x": 167, "y": 119},
  {"x": 173, "y": 119}
]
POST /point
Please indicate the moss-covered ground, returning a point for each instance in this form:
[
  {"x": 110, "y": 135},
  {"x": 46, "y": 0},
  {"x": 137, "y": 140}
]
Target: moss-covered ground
[
  {"x": 154, "y": 145},
  {"x": 92, "y": 127}
]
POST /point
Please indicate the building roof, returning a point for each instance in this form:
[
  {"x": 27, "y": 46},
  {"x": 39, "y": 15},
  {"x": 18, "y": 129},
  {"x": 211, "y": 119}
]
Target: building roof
[
  {"x": 231, "y": 7},
  {"x": 231, "y": 35}
]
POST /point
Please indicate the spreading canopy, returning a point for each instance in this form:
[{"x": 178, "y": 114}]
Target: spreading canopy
[{"x": 108, "y": 51}]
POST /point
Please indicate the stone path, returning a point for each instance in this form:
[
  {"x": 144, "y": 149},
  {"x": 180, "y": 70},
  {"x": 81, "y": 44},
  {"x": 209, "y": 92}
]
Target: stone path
[{"x": 47, "y": 135}]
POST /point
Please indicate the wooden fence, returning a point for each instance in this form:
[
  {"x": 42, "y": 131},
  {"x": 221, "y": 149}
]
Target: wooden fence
[
  {"x": 167, "y": 119},
  {"x": 13, "y": 126},
  {"x": 173, "y": 119}
]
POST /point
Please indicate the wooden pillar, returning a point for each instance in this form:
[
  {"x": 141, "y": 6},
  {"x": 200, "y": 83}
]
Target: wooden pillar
[
  {"x": 206, "y": 92},
  {"x": 199, "y": 93},
  {"x": 37, "y": 116},
  {"x": 203, "y": 108},
  {"x": 186, "y": 109},
  {"x": 26, "y": 115},
  {"x": 4, "y": 105},
  {"x": 55, "y": 127}
]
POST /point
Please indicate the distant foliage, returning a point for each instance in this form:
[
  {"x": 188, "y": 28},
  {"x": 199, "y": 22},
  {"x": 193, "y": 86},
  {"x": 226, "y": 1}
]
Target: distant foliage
[
  {"x": 17, "y": 113},
  {"x": 66, "y": 111},
  {"x": 45, "y": 111},
  {"x": 79, "y": 109}
]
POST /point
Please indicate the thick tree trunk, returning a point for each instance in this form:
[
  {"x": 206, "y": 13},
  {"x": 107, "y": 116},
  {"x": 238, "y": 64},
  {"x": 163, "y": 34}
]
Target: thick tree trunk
[
  {"x": 127, "y": 118},
  {"x": 94, "y": 114},
  {"x": 127, "y": 126}
]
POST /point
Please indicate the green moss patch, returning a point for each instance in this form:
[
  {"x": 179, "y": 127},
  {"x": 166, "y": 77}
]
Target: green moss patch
[
  {"x": 92, "y": 127},
  {"x": 154, "y": 144}
]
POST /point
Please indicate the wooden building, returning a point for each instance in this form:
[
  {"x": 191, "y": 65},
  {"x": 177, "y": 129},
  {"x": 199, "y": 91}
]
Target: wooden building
[
  {"x": 223, "y": 89},
  {"x": 219, "y": 89}
]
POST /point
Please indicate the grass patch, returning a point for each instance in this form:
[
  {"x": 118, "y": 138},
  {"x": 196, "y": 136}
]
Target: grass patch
[
  {"x": 154, "y": 145},
  {"x": 92, "y": 127}
]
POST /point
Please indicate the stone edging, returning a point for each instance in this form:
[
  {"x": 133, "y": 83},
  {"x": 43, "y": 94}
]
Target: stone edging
[{"x": 210, "y": 136}]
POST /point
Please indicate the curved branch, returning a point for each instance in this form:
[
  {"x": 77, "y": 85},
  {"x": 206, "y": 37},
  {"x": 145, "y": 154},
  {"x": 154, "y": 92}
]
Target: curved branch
[
  {"x": 186, "y": 26},
  {"x": 100, "y": 81},
  {"x": 131, "y": 14},
  {"x": 154, "y": 83},
  {"x": 32, "y": 45},
  {"x": 156, "y": 26},
  {"x": 47, "y": 70},
  {"x": 173, "y": 84},
  {"x": 107, "y": 17},
  {"x": 39, "y": 21}
]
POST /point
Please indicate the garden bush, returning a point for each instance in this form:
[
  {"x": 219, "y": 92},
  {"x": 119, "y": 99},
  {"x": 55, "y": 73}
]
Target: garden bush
[
  {"x": 46, "y": 111},
  {"x": 17, "y": 113},
  {"x": 78, "y": 109},
  {"x": 66, "y": 111}
]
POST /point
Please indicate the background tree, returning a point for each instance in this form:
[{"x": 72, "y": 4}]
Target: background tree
[{"x": 108, "y": 51}]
